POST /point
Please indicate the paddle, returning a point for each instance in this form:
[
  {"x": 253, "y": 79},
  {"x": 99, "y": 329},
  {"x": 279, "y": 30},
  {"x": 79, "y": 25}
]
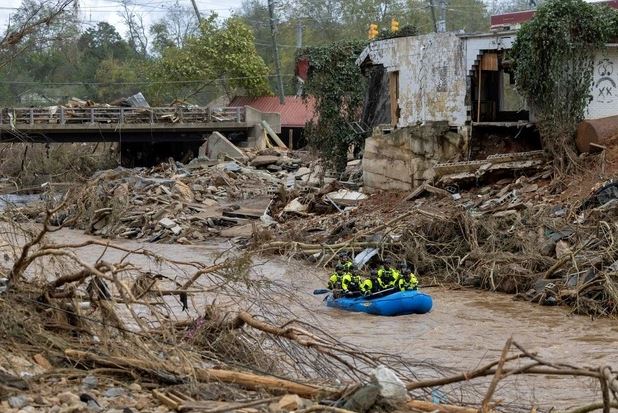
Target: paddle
[{"x": 320, "y": 291}]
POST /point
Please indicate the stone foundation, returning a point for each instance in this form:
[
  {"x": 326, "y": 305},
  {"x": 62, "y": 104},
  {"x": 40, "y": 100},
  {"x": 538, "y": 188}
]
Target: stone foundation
[{"x": 404, "y": 158}]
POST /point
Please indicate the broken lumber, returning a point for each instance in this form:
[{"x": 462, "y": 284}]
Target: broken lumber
[
  {"x": 438, "y": 408},
  {"x": 247, "y": 380},
  {"x": 273, "y": 135}
]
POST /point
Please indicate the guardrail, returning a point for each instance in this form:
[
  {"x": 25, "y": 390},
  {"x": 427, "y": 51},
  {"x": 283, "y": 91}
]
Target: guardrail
[{"x": 61, "y": 115}]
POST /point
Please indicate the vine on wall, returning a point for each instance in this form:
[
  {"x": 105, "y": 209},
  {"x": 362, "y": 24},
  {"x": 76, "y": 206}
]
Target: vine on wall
[
  {"x": 339, "y": 87},
  {"x": 554, "y": 61}
]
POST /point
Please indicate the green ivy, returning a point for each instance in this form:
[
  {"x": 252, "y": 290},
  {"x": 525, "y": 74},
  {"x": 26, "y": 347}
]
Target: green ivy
[
  {"x": 554, "y": 61},
  {"x": 339, "y": 87}
]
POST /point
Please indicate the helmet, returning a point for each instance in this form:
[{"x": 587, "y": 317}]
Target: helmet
[{"x": 339, "y": 267}]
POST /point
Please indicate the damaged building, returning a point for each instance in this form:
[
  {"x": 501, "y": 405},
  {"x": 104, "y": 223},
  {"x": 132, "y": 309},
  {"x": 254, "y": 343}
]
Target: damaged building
[{"x": 443, "y": 106}]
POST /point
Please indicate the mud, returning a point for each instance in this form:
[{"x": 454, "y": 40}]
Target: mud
[{"x": 465, "y": 329}]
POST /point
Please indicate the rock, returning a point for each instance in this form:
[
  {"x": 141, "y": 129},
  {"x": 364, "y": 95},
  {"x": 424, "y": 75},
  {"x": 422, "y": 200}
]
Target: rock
[
  {"x": 346, "y": 197},
  {"x": 42, "y": 361},
  {"x": 90, "y": 381},
  {"x": 167, "y": 223},
  {"x": 274, "y": 168},
  {"x": 362, "y": 399},
  {"x": 183, "y": 190},
  {"x": 68, "y": 398},
  {"x": 176, "y": 229},
  {"x": 354, "y": 162},
  {"x": 302, "y": 172},
  {"x": 264, "y": 160},
  {"x": 135, "y": 387},
  {"x": 391, "y": 386},
  {"x": 28, "y": 409},
  {"x": 197, "y": 188},
  {"x": 562, "y": 248},
  {"x": 296, "y": 206},
  {"x": 17, "y": 402},
  {"x": 289, "y": 402},
  {"x": 548, "y": 249},
  {"x": 114, "y": 392}
]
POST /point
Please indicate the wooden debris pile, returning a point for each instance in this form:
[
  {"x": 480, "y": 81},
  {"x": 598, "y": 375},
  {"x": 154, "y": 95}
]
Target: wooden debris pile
[{"x": 171, "y": 203}]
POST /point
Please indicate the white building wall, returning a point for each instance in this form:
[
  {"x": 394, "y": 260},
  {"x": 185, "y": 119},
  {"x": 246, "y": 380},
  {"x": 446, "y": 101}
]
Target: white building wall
[
  {"x": 604, "y": 88},
  {"x": 432, "y": 77}
]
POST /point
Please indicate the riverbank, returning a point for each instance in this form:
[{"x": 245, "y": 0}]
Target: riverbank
[{"x": 465, "y": 330}]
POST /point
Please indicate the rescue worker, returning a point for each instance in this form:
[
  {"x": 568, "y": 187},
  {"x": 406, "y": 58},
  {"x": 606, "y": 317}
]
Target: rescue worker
[
  {"x": 395, "y": 276},
  {"x": 350, "y": 283},
  {"x": 383, "y": 277},
  {"x": 334, "y": 281},
  {"x": 370, "y": 285},
  {"x": 348, "y": 263},
  {"x": 408, "y": 280}
]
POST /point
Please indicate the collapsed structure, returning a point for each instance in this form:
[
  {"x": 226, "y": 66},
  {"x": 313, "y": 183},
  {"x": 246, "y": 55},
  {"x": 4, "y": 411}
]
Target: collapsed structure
[{"x": 447, "y": 97}]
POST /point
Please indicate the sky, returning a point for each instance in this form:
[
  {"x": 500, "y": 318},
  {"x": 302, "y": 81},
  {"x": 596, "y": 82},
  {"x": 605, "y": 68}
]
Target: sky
[{"x": 93, "y": 11}]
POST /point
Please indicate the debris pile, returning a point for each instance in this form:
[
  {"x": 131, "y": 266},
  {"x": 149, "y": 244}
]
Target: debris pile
[{"x": 543, "y": 240}]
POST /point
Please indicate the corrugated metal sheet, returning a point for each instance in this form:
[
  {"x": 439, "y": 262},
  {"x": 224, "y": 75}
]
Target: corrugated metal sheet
[{"x": 294, "y": 114}]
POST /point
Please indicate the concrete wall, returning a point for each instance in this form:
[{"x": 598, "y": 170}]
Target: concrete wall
[
  {"x": 432, "y": 76},
  {"x": 404, "y": 159},
  {"x": 604, "y": 89},
  {"x": 255, "y": 117}
]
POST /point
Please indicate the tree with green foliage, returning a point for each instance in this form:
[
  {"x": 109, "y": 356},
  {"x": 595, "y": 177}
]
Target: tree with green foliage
[
  {"x": 338, "y": 86},
  {"x": 554, "y": 60},
  {"x": 220, "y": 52}
]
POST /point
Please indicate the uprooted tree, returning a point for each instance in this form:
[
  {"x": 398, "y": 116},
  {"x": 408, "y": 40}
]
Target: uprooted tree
[
  {"x": 338, "y": 86},
  {"x": 554, "y": 61}
]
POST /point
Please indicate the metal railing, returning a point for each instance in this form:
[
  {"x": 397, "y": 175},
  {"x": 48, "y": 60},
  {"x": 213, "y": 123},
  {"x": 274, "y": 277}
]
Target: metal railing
[{"x": 61, "y": 115}]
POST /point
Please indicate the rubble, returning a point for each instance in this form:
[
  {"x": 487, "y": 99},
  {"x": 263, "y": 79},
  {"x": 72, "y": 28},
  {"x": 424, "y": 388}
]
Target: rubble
[{"x": 507, "y": 235}]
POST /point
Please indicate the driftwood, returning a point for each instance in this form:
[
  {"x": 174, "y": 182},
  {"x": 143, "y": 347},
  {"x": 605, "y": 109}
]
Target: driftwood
[{"x": 247, "y": 380}]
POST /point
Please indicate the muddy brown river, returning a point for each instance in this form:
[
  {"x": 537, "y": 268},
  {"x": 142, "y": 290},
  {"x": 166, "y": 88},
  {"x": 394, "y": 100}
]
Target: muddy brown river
[{"x": 465, "y": 329}]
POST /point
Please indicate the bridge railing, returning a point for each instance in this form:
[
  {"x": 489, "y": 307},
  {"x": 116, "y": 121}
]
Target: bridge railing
[{"x": 119, "y": 115}]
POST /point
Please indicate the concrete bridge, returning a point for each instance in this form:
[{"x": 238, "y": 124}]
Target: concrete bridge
[
  {"x": 130, "y": 124},
  {"x": 145, "y": 136}
]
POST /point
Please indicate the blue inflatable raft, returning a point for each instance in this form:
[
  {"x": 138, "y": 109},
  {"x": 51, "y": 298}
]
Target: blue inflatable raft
[{"x": 390, "y": 304}]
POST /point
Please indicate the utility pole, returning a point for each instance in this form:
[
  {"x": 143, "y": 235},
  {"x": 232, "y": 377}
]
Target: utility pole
[
  {"x": 273, "y": 33},
  {"x": 197, "y": 12},
  {"x": 299, "y": 35},
  {"x": 299, "y": 45},
  {"x": 442, "y": 21},
  {"x": 433, "y": 15}
]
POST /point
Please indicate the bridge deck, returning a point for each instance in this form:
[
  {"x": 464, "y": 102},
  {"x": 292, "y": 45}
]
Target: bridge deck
[{"x": 60, "y": 123}]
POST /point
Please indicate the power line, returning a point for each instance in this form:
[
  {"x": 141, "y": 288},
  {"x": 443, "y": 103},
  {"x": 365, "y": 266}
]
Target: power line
[{"x": 79, "y": 83}]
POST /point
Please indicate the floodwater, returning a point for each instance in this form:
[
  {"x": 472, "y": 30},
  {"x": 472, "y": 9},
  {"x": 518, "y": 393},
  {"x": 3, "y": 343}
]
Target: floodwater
[
  {"x": 466, "y": 328},
  {"x": 12, "y": 200}
]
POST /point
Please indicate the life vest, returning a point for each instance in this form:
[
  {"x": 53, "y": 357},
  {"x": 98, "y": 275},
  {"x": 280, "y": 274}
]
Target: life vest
[
  {"x": 350, "y": 282},
  {"x": 334, "y": 282},
  {"x": 366, "y": 286}
]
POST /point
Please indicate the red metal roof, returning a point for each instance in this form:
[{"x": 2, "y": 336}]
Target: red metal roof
[
  {"x": 294, "y": 114},
  {"x": 519, "y": 17}
]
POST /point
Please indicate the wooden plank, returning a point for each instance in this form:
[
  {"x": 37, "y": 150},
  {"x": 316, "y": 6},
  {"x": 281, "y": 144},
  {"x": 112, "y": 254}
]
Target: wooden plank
[
  {"x": 489, "y": 61},
  {"x": 273, "y": 135}
]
